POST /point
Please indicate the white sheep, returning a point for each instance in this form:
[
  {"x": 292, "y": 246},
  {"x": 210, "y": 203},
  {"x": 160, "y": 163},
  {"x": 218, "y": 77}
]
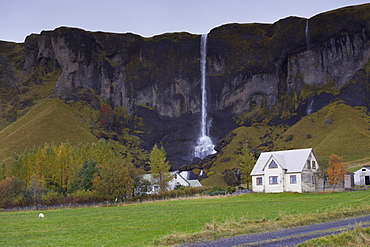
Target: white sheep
[{"x": 41, "y": 215}]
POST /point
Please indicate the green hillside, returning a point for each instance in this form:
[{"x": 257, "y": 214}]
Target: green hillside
[
  {"x": 336, "y": 129},
  {"x": 49, "y": 121}
]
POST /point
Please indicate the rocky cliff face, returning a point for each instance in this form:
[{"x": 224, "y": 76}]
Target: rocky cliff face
[
  {"x": 263, "y": 64},
  {"x": 281, "y": 67},
  {"x": 126, "y": 69}
]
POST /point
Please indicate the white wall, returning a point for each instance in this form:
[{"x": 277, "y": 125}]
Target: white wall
[
  {"x": 293, "y": 187},
  {"x": 258, "y": 188},
  {"x": 279, "y": 172}
]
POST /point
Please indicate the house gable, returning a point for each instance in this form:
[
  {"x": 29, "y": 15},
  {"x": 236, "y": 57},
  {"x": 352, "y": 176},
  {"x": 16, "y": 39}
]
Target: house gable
[
  {"x": 289, "y": 170},
  {"x": 291, "y": 160}
]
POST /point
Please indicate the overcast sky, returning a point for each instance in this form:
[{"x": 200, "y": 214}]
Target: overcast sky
[{"x": 19, "y": 18}]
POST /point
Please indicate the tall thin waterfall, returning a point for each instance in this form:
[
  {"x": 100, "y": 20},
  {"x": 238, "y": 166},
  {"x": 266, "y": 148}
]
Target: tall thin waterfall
[
  {"x": 309, "y": 107},
  {"x": 204, "y": 144},
  {"x": 311, "y": 100},
  {"x": 307, "y": 34}
]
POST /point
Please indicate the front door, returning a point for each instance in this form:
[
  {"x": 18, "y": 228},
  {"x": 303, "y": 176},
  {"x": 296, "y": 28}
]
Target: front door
[{"x": 367, "y": 180}]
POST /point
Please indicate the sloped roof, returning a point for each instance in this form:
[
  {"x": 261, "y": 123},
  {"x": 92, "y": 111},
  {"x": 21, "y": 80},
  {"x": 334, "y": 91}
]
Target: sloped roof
[
  {"x": 149, "y": 176},
  {"x": 290, "y": 160},
  {"x": 194, "y": 182}
]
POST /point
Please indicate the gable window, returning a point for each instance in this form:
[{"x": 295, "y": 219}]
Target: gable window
[
  {"x": 259, "y": 181},
  {"x": 313, "y": 164},
  {"x": 273, "y": 165},
  {"x": 293, "y": 179},
  {"x": 273, "y": 179},
  {"x": 308, "y": 164}
]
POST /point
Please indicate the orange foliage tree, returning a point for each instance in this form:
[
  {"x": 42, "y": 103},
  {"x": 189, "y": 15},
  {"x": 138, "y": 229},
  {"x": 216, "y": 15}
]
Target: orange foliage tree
[{"x": 336, "y": 170}]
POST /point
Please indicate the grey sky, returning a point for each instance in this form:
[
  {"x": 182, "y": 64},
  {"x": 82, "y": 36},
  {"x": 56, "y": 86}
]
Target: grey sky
[{"x": 19, "y": 18}]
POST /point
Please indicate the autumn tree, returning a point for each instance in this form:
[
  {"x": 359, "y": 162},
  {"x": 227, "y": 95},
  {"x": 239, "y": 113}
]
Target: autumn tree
[
  {"x": 106, "y": 116},
  {"x": 36, "y": 188},
  {"x": 247, "y": 162},
  {"x": 11, "y": 192},
  {"x": 336, "y": 171},
  {"x": 159, "y": 167},
  {"x": 113, "y": 181}
]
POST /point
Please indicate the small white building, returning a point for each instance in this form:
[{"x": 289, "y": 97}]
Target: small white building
[
  {"x": 286, "y": 171},
  {"x": 179, "y": 179},
  {"x": 362, "y": 176}
]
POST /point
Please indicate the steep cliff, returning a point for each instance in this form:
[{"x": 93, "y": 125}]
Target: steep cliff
[
  {"x": 268, "y": 73},
  {"x": 266, "y": 65}
]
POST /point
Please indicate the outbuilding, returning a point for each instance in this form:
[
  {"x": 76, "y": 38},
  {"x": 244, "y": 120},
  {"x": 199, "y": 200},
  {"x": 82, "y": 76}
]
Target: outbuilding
[{"x": 362, "y": 176}]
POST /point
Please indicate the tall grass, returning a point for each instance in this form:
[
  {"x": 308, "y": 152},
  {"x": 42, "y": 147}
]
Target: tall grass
[{"x": 359, "y": 237}]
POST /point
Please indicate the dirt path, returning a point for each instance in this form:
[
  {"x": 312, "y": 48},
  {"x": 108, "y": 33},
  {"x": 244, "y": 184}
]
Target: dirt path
[{"x": 289, "y": 237}]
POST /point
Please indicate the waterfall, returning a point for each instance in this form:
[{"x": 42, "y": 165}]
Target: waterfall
[
  {"x": 307, "y": 34},
  {"x": 309, "y": 108},
  {"x": 204, "y": 144}
]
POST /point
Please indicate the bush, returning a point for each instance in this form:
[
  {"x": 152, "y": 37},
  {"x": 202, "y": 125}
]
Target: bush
[
  {"x": 11, "y": 190},
  {"x": 84, "y": 196},
  {"x": 52, "y": 198}
]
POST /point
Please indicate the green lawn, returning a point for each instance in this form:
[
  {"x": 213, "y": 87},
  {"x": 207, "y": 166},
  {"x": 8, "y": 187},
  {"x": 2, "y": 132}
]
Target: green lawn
[{"x": 142, "y": 224}]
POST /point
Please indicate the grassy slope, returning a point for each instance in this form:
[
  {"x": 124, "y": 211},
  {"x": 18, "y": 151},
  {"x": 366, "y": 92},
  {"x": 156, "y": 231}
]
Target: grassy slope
[
  {"x": 48, "y": 121},
  {"x": 348, "y": 136},
  {"x": 141, "y": 224}
]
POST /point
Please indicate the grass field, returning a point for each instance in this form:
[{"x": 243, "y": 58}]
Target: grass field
[{"x": 144, "y": 224}]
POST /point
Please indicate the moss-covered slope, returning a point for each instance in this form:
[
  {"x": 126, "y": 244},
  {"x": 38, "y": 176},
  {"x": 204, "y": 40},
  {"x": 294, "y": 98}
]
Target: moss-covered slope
[
  {"x": 336, "y": 129},
  {"x": 49, "y": 121}
]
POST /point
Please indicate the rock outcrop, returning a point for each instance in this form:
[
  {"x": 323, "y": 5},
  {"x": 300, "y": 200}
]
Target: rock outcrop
[{"x": 282, "y": 67}]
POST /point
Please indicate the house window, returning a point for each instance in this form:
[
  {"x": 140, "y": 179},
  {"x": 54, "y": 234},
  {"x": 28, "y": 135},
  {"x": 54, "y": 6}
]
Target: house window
[
  {"x": 273, "y": 165},
  {"x": 259, "y": 180},
  {"x": 308, "y": 164},
  {"x": 273, "y": 179},
  {"x": 313, "y": 164},
  {"x": 293, "y": 179}
]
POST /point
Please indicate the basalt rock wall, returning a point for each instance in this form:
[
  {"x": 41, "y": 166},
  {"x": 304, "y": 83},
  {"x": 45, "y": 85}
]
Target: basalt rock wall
[{"x": 281, "y": 66}]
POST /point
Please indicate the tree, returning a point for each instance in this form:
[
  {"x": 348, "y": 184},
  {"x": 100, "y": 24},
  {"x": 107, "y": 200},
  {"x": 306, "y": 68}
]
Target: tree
[
  {"x": 159, "y": 167},
  {"x": 336, "y": 170},
  {"x": 113, "y": 181},
  {"x": 36, "y": 188},
  {"x": 247, "y": 162},
  {"x": 84, "y": 178},
  {"x": 11, "y": 192}
]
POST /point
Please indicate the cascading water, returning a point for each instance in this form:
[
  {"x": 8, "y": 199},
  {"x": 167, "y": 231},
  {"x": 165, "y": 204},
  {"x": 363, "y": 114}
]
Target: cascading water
[
  {"x": 307, "y": 36},
  {"x": 309, "y": 108},
  {"x": 204, "y": 144}
]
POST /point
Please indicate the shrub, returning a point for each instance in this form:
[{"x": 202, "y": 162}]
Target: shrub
[
  {"x": 11, "y": 192},
  {"x": 52, "y": 198},
  {"x": 84, "y": 196}
]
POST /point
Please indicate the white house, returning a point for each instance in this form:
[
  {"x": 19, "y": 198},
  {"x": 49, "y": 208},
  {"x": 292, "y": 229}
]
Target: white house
[
  {"x": 362, "y": 176},
  {"x": 286, "y": 171},
  {"x": 178, "y": 179}
]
